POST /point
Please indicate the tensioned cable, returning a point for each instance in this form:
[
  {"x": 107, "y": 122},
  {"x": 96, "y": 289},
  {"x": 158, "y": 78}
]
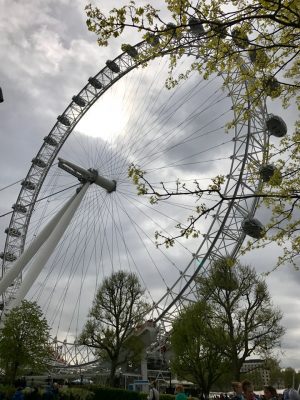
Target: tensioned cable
[
  {"x": 175, "y": 106},
  {"x": 155, "y": 154},
  {"x": 163, "y": 135},
  {"x": 60, "y": 247},
  {"x": 140, "y": 128},
  {"x": 20, "y": 180},
  {"x": 120, "y": 231},
  {"x": 136, "y": 129},
  {"x": 12, "y": 184},
  {"x": 73, "y": 269},
  {"x": 133, "y": 200},
  {"x": 134, "y": 224},
  {"x": 177, "y": 162},
  {"x": 44, "y": 198}
]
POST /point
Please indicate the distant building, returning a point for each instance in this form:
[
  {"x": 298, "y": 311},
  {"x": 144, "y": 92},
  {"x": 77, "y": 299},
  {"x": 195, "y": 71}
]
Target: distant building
[{"x": 257, "y": 372}]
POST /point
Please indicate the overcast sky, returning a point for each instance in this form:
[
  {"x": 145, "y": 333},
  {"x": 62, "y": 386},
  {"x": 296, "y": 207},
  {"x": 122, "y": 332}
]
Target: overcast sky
[{"x": 47, "y": 55}]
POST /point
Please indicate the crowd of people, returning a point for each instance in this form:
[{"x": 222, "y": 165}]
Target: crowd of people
[
  {"x": 179, "y": 392},
  {"x": 241, "y": 391},
  {"x": 50, "y": 392},
  {"x": 245, "y": 391}
]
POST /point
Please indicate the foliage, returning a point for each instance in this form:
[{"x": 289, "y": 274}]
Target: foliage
[
  {"x": 7, "y": 391},
  {"x": 116, "y": 394},
  {"x": 167, "y": 397},
  {"x": 274, "y": 368},
  {"x": 24, "y": 341},
  {"x": 242, "y": 307},
  {"x": 222, "y": 31},
  {"x": 291, "y": 378},
  {"x": 118, "y": 308},
  {"x": 268, "y": 29},
  {"x": 76, "y": 394},
  {"x": 197, "y": 346},
  {"x": 222, "y": 34}
]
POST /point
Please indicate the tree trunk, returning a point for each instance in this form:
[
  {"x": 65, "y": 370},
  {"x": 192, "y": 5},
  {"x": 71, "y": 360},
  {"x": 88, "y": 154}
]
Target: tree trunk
[
  {"x": 236, "y": 369},
  {"x": 112, "y": 375},
  {"x": 14, "y": 370}
]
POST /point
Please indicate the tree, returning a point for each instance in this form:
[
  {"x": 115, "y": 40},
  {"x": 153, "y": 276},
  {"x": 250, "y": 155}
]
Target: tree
[
  {"x": 24, "y": 341},
  {"x": 273, "y": 365},
  {"x": 222, "y": 34},
  {"x": 242, "y": 307},
  {"x": 118, "y": 308},
  {"x": 268, "y": 29},
  {"x": 196, "y": 345},
  {"x": 290, "y": 378}
]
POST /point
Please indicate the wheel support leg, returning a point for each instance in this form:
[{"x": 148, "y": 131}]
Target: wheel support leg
[{"x": 47, "y": 248}]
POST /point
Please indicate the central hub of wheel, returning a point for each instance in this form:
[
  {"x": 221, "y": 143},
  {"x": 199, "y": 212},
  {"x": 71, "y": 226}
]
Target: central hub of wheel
[{"x": 87, "y": 175}]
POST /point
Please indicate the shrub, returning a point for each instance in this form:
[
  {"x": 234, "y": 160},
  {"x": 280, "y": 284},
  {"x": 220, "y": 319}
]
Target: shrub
[
  {"x": 76, "y": 394},
  {"x": 7, "y": 391},
  {"x": 116, "y": 394},
  {"x": 166, "y": 397}
]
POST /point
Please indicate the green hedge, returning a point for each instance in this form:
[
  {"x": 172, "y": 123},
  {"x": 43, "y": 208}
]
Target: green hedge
[
  {"x": 75, "y": 394},
  {"x": 166, "y": 397},
  {"x": 7, "y": 391},
  {"x": 106, "y": 393}
]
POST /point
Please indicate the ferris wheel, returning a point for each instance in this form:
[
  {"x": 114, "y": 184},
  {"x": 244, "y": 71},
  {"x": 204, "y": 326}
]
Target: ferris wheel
[{"x": 79, "y": 213}]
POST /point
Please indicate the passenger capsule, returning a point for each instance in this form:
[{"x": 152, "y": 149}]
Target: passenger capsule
[
  {"x": 113, "y": 66},
  {"x": 253, "y": 227},
  {"x": 219, "y": 28},
  {"x": 258, "y": 56},
  {"x": 38, "y": 162},
  {"x": 196, "y": 27},
  {"x": 19, "y": 208},
  {"x": 272, "y": 87},
  {"x": 95, "y": 83},
  {"x": 79, "y": 101},
  {"x": 276, "y": 126},
  {"x": 239, "y": 38},
  {"x": 64, "y": 120},
  {"x": 50, "y": 140},
  {"x": 130, "y": 50},
  {"x": 171, "y": 26},
  {"x": 7, "y": 256},
  {"x": 153, "y": 40},
  {"x": 13, "y": 232},
  {"x": 270, "y": 174},
  {"x": 266, "y": 172},
  {"x": 28, "y": 185}
]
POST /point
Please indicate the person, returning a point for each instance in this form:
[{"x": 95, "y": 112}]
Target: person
[
  {"x": 270, "y": 393},
  {"x": 55, "y": 389},
  {"x": 238, "y": 390},
  {"x": 179, "y": 393},
  {"x": 48, "y": 393},
  {"x": 291, "y": 394},
  {"x": 18, "y": 395},
  {"x": 153, "y": 392},
  {"x": 34, "y": 394},
  {"x": 248, "y": 390}
]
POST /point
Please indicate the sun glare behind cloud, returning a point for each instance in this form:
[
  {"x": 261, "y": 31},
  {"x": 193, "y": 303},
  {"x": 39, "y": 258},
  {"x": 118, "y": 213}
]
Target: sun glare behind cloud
[{"x": 105, "y": 120}]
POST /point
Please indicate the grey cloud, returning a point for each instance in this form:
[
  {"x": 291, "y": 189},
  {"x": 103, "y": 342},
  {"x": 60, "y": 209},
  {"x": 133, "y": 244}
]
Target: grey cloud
[{"x": 48, "y": 56}]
